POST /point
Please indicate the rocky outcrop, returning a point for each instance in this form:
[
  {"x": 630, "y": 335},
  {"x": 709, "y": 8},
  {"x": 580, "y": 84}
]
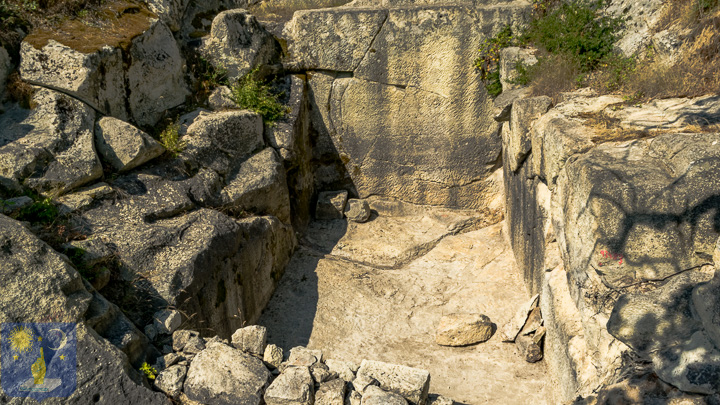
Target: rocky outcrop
[
  {"x": 401, "y": 125},
  {"x": 238, "y": 43},
  {"x": 614, "y": 231},
  {"x": 40, "y": 285},
  {"x": 138, "y": 81},
  {"x": 50, "y": 149}
]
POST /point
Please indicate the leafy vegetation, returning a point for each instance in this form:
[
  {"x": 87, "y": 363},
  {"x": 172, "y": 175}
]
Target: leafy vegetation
[
  {"x": 170, "y": 139},
  {"x": 255, "y": 95},
  {"x": 208, "y": 77},
  {"x": 42, "y": 211},
  {"x": 575, "y": 41},
  {"x": 149, "y": 371}
]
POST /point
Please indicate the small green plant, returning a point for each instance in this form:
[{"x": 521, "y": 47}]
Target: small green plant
[
  {"x": 488, "y": 62},
  {"x": 170, "y": 139},
  {"x": 522, "y": 76},
  {"x": 149, "y": 371},
  {"x": 41, "y": 211},
  {"x": 252, "y": 94}
]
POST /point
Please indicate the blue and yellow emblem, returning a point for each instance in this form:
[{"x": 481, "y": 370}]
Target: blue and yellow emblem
[{"x": 38, "y": 360}]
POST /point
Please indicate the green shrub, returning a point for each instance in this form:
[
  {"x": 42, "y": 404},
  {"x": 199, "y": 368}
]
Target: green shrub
[
  {"x": 488, "y": 63},
  {"x": 170, "y": 139},
  {"x": 41, "y": 211},
  {"x": 576, "y": 29},
  {"x": 149, "y": 371},
  {"x": 252, "y": 94}
]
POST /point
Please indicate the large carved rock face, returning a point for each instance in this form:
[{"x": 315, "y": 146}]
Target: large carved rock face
[{"x": 414, "y": 121}]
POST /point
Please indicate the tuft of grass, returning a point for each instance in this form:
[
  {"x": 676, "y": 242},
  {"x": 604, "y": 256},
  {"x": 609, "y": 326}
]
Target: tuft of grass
[
  {"x": 554, "y": 74},
  {"x": 170, "y": 139},
  {"x": 283, "y": 10},
  {"x": 208, "y": 77},
  {"x": 252, "y": 94}
]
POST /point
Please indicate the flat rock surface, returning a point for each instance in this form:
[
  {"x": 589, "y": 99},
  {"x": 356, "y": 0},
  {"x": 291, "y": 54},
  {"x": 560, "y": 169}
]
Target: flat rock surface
[{"x": 378, "y": 290}]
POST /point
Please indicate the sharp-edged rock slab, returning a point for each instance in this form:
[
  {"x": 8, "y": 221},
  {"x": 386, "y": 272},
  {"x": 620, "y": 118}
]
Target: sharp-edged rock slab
[
  {"x": 222, "y": 375},
  {"x": 170, "y": 380},
  {"x": 52, "y": 149},
  {"x": 124, "y": 146},
  {"x": 293, "y": 387},
  {"x": 251, "y": 339},
  {"x": 411, "y": 383},
  {"x": 377, "y": 396},
  {"x": 511, "y": 329},
  {"x": 259, "y": 186},
  {"x": 331, "y": 393},
  {"x": 331, "y": 205}
]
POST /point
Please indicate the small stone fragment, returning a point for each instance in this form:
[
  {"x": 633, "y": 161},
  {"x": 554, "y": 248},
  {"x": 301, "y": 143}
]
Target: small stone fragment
[
  {"x": 221, "y": 99},
  {"x": 273, "y": 355},
  {"x": 167, "y": 360},
  {"x": 181, "y": 337},
  {"x": 331, "y": 393},
  {"x": 167, "y": 321},
  {"x": 251, "y": 339},
  {"x": 533, "y": 322},
  {"x": 170, "y": 380},
  {"x": 151, "y": 332},
  {"x": 511, "y": 329},
  {"x": 463, "y": 329},
  {"x": 529, "y": 350},
  {"x": 377, "y": 396},
  {"x": 194, "y": 345},
  {"x": 539, "y": 334},
  {"x": 331, "y": 205},
  {"x": 362, "y": 381},
  {"x": 357, "y": 210},
  {"x": 293, "y": 386},
  {"x": 343, "y": 369},
  {"x": 320, "y": 373},
  {"x": 412, "y": 383},
  {"x": 303, "y": 357}
]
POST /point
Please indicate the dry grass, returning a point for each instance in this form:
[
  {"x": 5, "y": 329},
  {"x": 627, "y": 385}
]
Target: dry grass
[
  {"x": 283, "y": 10},
  {"x": 554, "y": 74}
]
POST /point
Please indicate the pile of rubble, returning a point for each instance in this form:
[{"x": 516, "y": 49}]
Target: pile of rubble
[{"x": 247, "y": 370}]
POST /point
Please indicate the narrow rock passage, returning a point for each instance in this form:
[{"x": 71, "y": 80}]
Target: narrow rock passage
[{"x": 378, "y": 290}]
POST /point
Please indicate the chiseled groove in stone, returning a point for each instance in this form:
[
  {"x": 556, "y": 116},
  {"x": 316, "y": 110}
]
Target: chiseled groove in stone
[{"x": 372, "y": 41}]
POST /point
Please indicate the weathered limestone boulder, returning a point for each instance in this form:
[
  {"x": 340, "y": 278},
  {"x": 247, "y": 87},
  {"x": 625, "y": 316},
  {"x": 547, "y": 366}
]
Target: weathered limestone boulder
[
  {"x": 96, "y": 78},
  {"x": 204, "y": 263},
  {"x": 51, "y": 149},
  {"x": 221, "y": 375},
  {"x": 155, "y": 76},
  {"x": 411, "y": 383},
  {"x": 40, "y": 285},
  {"x": 170, "y": 12},
  {"x": 331, "y": 393},
  {"x": 150, "y": 83},
  {"x": 251, "y": 339},
  {"x": 402, "y": 123},
  {"x": 303, "y": 357},
  {"x": 124, "y": 146},
  {"x": 463, "y": 329},
  {"x": 377, "y": 396},
  {"x": 218, "y": 140},
  {"x": 357, "y": 210},
  {"x": 331, "y": 205},
  {"x": 239, "y": 43},
  {"x": 344, "y": 370},
  {"x": 672, "y": 113},
  {"x": 293, "y": 387},
  {"x": 198, "y": 19},
  {"x": 511, "y": 329},
  {"x": 510, "y": 58},
  {"x": 259, "y": 186},
  {"x": 180, "y": 338},
  {"x": 170, "y": 381}
]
